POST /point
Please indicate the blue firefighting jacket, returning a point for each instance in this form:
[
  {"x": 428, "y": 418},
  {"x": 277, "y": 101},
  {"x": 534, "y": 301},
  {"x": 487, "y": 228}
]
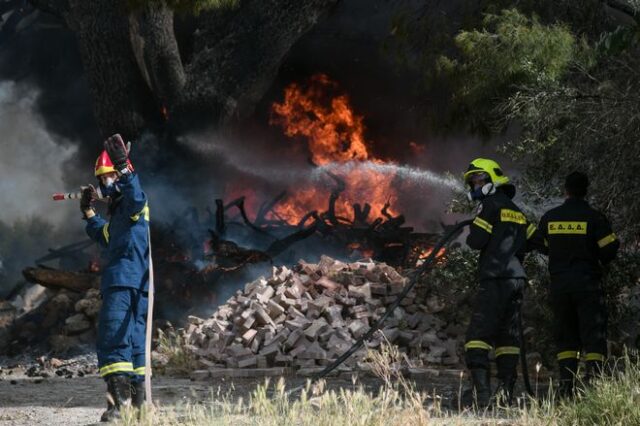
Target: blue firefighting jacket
[{"x": 125, "y": 237}]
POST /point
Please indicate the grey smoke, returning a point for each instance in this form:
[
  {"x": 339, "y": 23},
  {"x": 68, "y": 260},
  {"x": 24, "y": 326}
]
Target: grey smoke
[{"x": 30, "y": 160}]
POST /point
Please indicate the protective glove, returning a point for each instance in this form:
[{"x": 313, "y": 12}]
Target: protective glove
[
  {"x": 89, "y": 194},
  {"x": 118, "y": 152}
]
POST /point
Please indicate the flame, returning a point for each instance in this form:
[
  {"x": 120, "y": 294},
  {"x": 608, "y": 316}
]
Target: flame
[
  {"x": 334, "y": 133},
  {"x": 427, "y": 252}
]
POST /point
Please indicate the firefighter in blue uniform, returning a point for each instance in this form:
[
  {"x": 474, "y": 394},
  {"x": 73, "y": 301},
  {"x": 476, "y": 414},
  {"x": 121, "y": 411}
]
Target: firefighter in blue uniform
[
  {"x": 125, "y": 276},
  {"x": 579, "y": 242},
  {"x": 500, "y": 231}
]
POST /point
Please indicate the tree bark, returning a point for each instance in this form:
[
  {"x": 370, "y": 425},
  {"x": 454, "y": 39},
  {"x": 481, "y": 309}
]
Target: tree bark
[
  {"x": 122, "y": 101},
  {"x": 135, "y": 72},
  {"x": 230, "y": 75},
  {"x": 158, "y": 54}
]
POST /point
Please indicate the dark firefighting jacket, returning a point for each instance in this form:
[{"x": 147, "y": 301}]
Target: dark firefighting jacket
[
  {"x": 500, "y": 232},
  {"x": 124, "y": 237},
  {"x": 579, "y": 241}
]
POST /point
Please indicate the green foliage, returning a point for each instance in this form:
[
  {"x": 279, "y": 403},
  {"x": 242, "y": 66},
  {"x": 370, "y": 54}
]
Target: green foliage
[
  {"x": 612, "y": 400},
  {"x": 510, "y": 51},
  {"x": 193, "y": 7}
]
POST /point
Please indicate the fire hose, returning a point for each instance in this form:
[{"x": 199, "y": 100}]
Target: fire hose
[{"x": 376, "y": 326}]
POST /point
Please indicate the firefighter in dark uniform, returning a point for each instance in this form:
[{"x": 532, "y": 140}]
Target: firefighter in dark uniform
[
  {"x": 500, "y": 231},
  {"x": 579, "y": 242}
]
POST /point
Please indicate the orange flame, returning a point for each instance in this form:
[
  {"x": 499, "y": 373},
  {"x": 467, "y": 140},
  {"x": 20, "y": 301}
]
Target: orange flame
[
  {"x": 334, "y": 134},
  {"x": 333, "y": 131}
]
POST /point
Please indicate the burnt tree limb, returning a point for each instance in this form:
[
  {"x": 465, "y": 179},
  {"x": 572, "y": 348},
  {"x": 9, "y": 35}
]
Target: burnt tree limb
[{"x": 57, "y": 280}]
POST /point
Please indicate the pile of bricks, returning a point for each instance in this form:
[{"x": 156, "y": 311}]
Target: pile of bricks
[{"x": 308, "y": 316}]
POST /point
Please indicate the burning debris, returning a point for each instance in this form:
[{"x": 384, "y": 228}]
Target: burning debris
[{"x": 306, "y": 317}]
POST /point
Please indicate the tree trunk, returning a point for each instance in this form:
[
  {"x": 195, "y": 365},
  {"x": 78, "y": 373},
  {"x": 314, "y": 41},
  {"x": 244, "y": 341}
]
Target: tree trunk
[
  {"x": 122, "y": 99},
  {"x": 159, "y": 56},
  {"x": 133, "y": 64},
  {"x": 230, "y": 75}
]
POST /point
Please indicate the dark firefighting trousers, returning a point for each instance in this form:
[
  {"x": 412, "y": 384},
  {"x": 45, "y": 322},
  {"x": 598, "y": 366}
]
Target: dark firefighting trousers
[
  {"x": 495, "y": 323},
  {"x": 580, "y": 325},
  {"x": 122, "y": 332}
]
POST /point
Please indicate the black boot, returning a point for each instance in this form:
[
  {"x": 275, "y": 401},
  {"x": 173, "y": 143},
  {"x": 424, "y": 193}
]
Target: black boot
[
  {"x": 480, "y": 393},
  {"x": 137, "y": 394},
  {"x": 594, "y": 369},
  {"x": 119, "y": 395},
  {"x": 507, "y": 374},
  {"x": 568, "y": 371}
]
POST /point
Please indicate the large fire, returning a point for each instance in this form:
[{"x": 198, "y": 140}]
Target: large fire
[{"x": 316, "y": 113}]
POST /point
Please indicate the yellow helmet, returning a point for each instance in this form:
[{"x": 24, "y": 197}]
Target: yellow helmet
[{"x": 490, "y": 167}]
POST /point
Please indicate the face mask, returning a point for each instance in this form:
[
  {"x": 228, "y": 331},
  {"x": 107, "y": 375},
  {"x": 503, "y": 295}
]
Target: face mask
[
  {"x": 475, "y": 194},
  {"x": 109, "y": 182}
]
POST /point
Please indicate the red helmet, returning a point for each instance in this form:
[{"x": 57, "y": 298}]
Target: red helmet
[{"x": 104, "y": 164}]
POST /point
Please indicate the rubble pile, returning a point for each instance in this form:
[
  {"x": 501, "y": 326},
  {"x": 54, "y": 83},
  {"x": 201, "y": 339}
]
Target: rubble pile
[
  {"x": 308, "y": 316},
  {"x": 64, "y": 319}
]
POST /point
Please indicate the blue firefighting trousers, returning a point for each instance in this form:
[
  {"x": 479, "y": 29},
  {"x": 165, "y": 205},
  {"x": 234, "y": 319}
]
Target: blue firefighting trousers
[{"x": 121, "y": 332}]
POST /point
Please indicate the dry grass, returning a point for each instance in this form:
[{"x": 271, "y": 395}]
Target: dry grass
[{"x": 612, "y": 400}]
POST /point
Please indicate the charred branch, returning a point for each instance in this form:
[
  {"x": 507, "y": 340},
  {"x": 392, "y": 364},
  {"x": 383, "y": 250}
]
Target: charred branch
[{"x": 56, "y": 279}]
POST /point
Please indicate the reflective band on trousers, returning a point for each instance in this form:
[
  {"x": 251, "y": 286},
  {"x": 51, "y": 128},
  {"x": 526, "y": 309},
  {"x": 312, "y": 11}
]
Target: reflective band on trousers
[
  {"x": 593, "y": 356},
  {"x": 105, "y": 232},
  {"x": 507, "y": 350},
  {"x": 606, "y": 240},
  {"x": 568, "y": 355},
  {"x": 116, "y": 367},
  {"x": 477, "y": 344},
  {"x": 140, "y": 371},
  {"x": 481, "y": 223}
]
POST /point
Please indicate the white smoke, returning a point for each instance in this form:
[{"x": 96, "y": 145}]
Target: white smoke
[{"x": 31, "y": 160}]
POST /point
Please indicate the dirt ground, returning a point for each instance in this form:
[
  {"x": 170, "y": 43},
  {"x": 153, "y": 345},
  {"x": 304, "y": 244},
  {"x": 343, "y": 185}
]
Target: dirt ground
[{"x": 58, "y": 401}]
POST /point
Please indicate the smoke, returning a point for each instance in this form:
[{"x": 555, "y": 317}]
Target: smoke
[{"x": 30, "y": 159}]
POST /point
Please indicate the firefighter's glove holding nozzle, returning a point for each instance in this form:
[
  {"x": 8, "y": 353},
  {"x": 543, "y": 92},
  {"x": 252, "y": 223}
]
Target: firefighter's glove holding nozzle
[
  {"x": 118, "y": 152},
  {"x": 89, "y": 195}
]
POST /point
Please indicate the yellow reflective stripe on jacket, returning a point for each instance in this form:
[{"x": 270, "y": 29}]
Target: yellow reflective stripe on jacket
[
  {"x": 607, "y": 240},
  {"x": 593, "y": 356},
  {"x": 105, "y": 232},
  {"x": 568, "y": 228},
  {"x": 507, "y": 215},
  {"x": 568, "y": 355},
  {"x": 531, "y": 229},
  {"x": 483, "y": 224},
  {"x": 116, "y": 367},
  {"x": 477, "y": 344},
  {"x": 140, "y": 371},
  {"x": 144, "y": 213},
  {"x": 507, "y": 350}
]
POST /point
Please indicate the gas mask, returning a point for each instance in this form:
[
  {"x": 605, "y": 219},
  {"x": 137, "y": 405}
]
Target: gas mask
[
  {"x": 480, "y": 186},
  {"x": 109, "y": 187}
]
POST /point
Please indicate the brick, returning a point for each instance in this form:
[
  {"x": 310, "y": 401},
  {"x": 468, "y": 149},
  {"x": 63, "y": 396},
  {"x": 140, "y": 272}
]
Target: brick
[
  {"x": 362, "y": 292},
  {"x": 274, "y": 309},
  {"x": 327, "y": 283},
  {"x": 317, "y": 327},
  {"x": 358, "y": 328},
  {"x": 249, "y": 335},
  {"x": 248, "y": 362},
  {"x": 293, "y": 338}
]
